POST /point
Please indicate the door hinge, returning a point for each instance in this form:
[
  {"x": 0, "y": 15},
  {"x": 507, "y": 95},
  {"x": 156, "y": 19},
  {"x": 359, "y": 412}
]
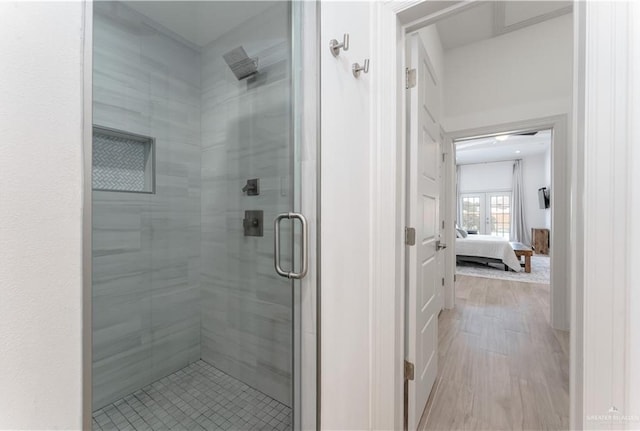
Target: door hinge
[
  {"x": 410, "y": 80},
  {"x": 410, "y": 236},
  {"x": 454, "y": 278},
  {"x": 442, "y": 224},
  {"x": 443, "y": 281},
  {"x": 443, "y": 156},
  {"x": 408, "y": 370}
]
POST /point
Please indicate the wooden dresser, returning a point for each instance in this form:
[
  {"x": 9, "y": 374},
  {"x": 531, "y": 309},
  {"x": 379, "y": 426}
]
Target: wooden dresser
[{"x": 540, "y": 240}]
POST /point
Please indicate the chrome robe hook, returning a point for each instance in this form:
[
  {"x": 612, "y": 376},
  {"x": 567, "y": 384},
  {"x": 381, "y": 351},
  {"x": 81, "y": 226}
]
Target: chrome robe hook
[
  {"x": 335, "y": 46},
  {"x": 357, "y": 68}
]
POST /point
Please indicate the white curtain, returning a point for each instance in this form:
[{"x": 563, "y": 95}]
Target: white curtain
[
  {"x": 519, "y": 231},
  {"x": 458, "y": 205}
]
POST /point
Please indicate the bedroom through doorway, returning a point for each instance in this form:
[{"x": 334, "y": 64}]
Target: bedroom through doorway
[{"x": 503, "y": 214}]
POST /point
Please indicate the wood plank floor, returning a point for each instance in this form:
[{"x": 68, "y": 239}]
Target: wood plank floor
[{"x": 501, "y": 366}]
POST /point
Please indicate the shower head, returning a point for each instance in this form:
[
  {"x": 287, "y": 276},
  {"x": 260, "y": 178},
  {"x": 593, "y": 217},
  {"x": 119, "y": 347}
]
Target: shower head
[{"x": 240, "y": 63}]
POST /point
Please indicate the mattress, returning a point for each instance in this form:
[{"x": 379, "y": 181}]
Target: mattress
[{"x": 488, "y": 246}]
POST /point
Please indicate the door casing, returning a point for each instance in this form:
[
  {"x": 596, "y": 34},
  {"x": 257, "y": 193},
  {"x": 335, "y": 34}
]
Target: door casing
[{"x": 394, "y": 21}]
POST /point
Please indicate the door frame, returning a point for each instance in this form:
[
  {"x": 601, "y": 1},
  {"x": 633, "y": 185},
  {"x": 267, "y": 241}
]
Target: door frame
[
  {"x": 87, "y": 218},
  {"x": 393, "y": 20},
  {"x": 305, "y": 96},
  {"x": 388, "y": 97}
]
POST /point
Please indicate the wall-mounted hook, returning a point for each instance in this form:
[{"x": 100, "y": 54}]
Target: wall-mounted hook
[
  {"x": 357, "y": 68},
  {"x": 335, "y": 46}
]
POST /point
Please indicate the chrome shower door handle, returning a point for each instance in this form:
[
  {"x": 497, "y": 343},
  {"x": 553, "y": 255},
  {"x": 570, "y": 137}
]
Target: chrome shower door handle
[
  {"x": 276, "y": 245},
  {"x": 304, "y": 264}
]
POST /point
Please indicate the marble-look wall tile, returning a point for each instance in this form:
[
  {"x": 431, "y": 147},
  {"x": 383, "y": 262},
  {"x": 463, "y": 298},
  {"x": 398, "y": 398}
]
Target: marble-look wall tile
[
  {"x": 146, "y": 247},
  {"x": 246, "y": 307},
  {"x": 174, "y": 277}
]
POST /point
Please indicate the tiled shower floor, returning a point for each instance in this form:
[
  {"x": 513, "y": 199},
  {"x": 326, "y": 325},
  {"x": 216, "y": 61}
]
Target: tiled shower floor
[{"x": 197, "y": 397}]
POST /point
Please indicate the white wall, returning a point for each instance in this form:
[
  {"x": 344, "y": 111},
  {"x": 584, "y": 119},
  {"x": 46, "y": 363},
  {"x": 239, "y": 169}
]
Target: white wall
[
  {"x": 346, "y": 232},
  {"x": 40, "y": 215},
  {"x": 633, "y": 280},
  {"x": 520, "y": 75},
  {"x": 547, "y": 182},
  {"x": 534, "y": 176},
  {"x": 484, "y": 177},
  {"x": 606, "y": 372}
]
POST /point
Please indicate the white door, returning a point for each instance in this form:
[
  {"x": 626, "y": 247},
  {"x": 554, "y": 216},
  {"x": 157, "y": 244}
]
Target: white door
[{"x": 423, "y": 192}]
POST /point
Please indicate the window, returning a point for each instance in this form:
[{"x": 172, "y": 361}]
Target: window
[
  {"x": 500, "y": 214},
  {"x": 471, "y": 213},
  {"x": 486, "y": 213},
  {"x": 122, "y": 161}
]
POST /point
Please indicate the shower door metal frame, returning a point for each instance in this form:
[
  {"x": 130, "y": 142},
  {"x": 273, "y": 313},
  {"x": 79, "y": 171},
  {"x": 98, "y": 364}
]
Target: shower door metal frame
[
  {"x": 305, "y": 134},
  {"x": 305, "y": 164},
  {"x": 87, "y": 217}
]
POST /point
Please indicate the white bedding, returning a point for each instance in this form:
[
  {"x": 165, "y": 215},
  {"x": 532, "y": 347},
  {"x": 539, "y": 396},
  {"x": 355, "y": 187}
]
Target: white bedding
[{"x": 488, "y": 246}]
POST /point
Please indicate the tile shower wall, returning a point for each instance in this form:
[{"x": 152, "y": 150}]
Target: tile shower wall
[
  {"x": 246, "y": 307},
  {"x": 146, "y": 247}
]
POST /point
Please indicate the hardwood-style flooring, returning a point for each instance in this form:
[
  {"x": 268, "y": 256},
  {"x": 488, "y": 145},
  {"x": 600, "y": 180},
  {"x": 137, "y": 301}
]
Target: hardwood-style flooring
[{"x": 500, "y": 366}]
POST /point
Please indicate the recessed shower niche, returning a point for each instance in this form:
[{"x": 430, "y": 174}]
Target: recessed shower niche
[{"x": 122, "y": 162}]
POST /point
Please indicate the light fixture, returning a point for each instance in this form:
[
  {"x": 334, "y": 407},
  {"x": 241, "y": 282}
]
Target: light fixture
[
  {"x": 517, "y": 151},
  {"x": 502, "y": 137}
]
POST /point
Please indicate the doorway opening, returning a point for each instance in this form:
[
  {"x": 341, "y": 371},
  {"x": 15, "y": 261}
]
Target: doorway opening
[{"x": 479, "y": 81}]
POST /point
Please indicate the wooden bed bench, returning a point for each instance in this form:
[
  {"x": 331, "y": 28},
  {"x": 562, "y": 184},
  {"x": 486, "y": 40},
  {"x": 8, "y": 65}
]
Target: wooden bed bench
[{"x": 520, "y": 251}]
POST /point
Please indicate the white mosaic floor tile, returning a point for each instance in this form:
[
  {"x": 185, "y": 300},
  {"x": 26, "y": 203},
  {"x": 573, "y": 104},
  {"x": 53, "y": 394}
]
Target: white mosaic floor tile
[{"x": 197, "y": 397}]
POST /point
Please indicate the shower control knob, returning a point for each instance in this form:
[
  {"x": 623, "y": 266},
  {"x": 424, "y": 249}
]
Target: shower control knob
[
  {"x": 252, "y": 188},
  {"x": 252, "y": 223}
]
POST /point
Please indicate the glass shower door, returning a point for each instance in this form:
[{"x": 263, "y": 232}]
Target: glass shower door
[
  {"x": 247, "y": 316},
  {"x": 198, "y": 241}
]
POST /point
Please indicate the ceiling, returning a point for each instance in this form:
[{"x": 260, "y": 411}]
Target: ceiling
[
  {"x": 489, "y": 19},
  {"x": 200, "y": 22},
  {"x": 507, "y": 147}
]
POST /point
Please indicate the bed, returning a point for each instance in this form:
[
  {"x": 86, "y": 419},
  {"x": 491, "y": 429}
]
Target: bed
[{"x": 485, "y": 249}]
